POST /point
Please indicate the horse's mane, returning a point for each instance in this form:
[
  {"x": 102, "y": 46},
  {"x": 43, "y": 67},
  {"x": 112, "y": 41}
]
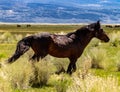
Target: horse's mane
[
  {"x": 81, "y": 31},
  {"x": 69, "y": 34},
  {"x": 86, "y": 29}
]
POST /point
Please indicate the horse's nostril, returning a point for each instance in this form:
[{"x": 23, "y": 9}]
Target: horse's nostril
[{"x": 107, "y": 40}]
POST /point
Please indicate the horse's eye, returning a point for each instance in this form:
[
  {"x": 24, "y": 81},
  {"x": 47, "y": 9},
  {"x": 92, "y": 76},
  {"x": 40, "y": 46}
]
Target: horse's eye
[{"x": 101, "y": 30}]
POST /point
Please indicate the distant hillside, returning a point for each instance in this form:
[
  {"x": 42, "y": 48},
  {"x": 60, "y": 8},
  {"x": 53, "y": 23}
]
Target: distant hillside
[{"x": 55, "y": 13}]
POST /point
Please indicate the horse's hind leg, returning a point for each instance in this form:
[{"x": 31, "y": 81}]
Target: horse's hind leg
[
  {"x": 21, "y": 49},
  {"x": 33, "y": 57}
]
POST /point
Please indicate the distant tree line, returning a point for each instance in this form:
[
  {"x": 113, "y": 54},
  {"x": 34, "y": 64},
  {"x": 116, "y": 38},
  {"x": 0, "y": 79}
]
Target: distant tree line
[
  {"x": 112, "y": 26},
  {"x": 18, "y": 25}
]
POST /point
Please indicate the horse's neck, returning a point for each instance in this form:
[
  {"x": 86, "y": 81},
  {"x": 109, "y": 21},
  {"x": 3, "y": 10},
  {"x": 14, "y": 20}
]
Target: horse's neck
[{"x": 85, "y": 39}]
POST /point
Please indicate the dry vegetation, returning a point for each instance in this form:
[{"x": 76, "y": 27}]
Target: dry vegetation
[{"x": 97, "y": 69}]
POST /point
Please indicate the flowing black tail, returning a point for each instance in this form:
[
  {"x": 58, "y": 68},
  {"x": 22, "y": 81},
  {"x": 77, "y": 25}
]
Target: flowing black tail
[{"x": 22, "y": 46}]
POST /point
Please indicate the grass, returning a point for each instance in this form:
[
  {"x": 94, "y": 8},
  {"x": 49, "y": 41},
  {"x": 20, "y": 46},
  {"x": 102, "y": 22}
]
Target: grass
[
  {"x": 22, "y": 76},
  {"x": 37, "y": 28},
  {"x": 93, "y": 83},
  {"x": 106, "y": 73}
]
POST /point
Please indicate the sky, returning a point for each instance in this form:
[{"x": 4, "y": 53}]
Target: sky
[
  {"x": 85, "y": 4},
  {"x": 76, "y": 3}
]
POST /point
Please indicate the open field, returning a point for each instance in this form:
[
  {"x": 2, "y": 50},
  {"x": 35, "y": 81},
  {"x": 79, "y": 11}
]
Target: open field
[
  {"x": 23, "y": 29},
  {"x": 98, "y": 69}
]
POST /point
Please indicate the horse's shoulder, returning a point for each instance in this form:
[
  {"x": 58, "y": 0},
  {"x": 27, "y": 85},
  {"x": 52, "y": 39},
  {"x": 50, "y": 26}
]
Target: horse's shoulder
[
  {"x": 61, "y": 39},
  {"x": 58, "y": 37}
]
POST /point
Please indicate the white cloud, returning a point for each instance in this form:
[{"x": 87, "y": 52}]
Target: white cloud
[
  {"x": 91, "y": 5},
  {"x": 104, "y": 1},
  {"x": 10, "y": 11}
]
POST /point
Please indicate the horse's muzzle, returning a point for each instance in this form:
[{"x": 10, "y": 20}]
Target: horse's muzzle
[{"x": 107, "y": 40}]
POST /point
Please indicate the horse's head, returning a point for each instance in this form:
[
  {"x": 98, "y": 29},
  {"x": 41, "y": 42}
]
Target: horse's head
[{"x": 98, "y": 32}]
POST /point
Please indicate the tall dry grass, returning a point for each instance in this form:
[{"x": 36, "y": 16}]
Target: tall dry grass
[
  {"x": 98, "y": 58},
  {"x": 92, "y": 83},
  {"x": 23, "y": 74},
  {"x": 115, "y": 38}
]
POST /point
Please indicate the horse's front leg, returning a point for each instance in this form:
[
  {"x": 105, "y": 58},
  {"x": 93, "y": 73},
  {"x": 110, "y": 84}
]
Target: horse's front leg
[
  {"x": 69, "y": 70},
  {"x": 72, "y": 65}
]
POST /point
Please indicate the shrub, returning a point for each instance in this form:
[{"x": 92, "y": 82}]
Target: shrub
[
  {"x": 93, "y": 83},
  {"x": 23, "y": 74},
  {"x": 86, "y": 65},
  {"x": 19, "y": 74},
  {"x": 115, "y": 39},
  {"x": 7, "y": 37},
  {"x": 98, "y": 57},
  {"x": 63, "y": 83},
  {"x": 60, "y": 67},
  {"x": 18, "y": 37},
  {"x": 117, "y": 61},
  {"x": 42, "y": 71},
  {"x": 5, "y": 86}
]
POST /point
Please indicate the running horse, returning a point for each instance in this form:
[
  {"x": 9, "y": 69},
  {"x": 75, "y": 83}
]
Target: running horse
[{"x": 69, "y": 46}]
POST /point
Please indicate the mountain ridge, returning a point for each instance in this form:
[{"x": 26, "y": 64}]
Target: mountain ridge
[{"x": 17, "y": 12}]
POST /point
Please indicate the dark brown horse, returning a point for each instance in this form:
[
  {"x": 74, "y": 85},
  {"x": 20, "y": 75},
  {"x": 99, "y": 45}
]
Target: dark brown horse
[{"x": 69, "y": 46}]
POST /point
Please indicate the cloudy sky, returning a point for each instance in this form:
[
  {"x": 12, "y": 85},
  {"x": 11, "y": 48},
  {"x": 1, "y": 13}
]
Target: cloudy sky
[
  {"x": 93, "y": 3},
  {"x": 19, "y": 11}
]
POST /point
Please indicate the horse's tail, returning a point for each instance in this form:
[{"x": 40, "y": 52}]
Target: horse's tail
[{"x": 22, "y": 46}]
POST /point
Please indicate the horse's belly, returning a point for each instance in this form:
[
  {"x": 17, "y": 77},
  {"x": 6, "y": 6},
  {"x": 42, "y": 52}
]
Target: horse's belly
[
  {"x": 61, "y": 53},
  {"x": 63, "y": 50}
]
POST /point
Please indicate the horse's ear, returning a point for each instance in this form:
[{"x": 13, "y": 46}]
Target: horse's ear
[
  {"x": 94, "y": 26},
  {"x": 98, "y": 24}
]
